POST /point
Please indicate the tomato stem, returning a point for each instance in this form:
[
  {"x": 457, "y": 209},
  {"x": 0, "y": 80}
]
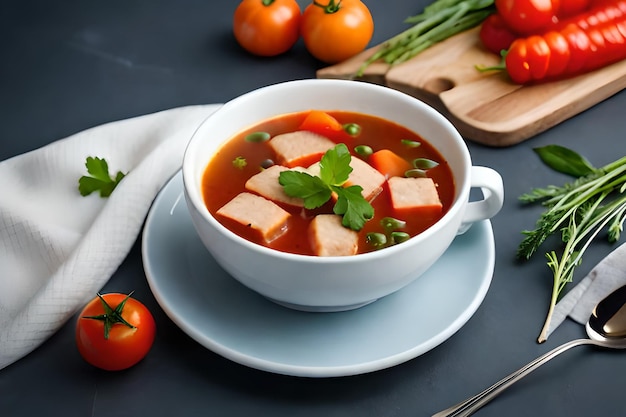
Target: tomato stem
[
  {"x": 500, "y": 67},
  {"x": 268, "y": 2},
  {"x": 330, "y": 8},
  {"x": 111, "y": 316}
]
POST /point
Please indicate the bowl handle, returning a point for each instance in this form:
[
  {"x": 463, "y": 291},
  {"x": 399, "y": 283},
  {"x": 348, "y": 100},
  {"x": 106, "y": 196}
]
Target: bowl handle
[{"x": 490, "y": 182}]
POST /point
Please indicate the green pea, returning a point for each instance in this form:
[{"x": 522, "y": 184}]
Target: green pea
[
  {"x": 352, "y": 129},
  {"x": 376, "y": 240},
  {"x": 391, "y": 224},
  {"x": 399, "y": 237},
  {"x": 363, "y": 151},
  {"x": 258, "y": 137}
]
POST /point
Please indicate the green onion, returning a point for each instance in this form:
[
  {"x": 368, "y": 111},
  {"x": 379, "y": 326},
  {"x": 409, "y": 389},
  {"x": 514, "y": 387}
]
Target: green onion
[
  {"x": 439, "y": 21},
  {"x": 424, "y": 163},
  {"x": 410, "y": 143},
  {"x": 415, "y": 173}
]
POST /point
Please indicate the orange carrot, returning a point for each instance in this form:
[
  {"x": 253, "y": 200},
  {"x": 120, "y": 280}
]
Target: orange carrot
[
  {"x": 389, "y": 163},
  {"x": 323, "y": 124}
]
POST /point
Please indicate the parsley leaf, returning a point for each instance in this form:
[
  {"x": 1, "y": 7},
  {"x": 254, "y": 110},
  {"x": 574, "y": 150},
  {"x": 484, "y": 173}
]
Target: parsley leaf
[
  {"x": 355, "y": 209},
  {"x": 240, "y": 162},
  {"x": 311, "y": 189},
  {"x": 335, "y": 165},
  {"x": 317, "y": 190},
  {"x": 99, "y": 179}
]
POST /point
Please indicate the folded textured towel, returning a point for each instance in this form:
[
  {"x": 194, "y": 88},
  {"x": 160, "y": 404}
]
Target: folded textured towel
[
  {"x": 603, "y": 279},
  {"x": 57, "y": 248}
]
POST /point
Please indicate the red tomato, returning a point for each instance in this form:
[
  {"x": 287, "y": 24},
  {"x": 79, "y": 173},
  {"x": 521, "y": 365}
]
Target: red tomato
[
  {"x": 559, "y": 53},
  {"x": 594, "y": 39},
  {"x": 337, "y": 30},
  {"x": 118, "y": 340},
  {"x": 579, "y": 46},
  {"x": 598, "y": 46},
  {"x": 267, "y": 27},
  {"x": 615, "y": 41},
  {"x": 573, "y": 7},
  {"x": 516, "y": 64},
  {"x": 538, "y": 56},
  {"x": 495, "y": 34},
  {"x": 528, "y": 17}
]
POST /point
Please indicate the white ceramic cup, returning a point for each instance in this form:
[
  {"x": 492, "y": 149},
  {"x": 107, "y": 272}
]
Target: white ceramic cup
[{"x": 314, "y": 283}]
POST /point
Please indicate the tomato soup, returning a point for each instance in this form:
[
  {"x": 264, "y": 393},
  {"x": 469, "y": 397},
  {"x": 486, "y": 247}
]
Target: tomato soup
[{"x": 240, "y": 158}]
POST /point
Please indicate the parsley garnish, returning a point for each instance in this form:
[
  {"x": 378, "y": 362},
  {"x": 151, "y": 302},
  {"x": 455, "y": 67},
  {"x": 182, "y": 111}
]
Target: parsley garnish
[
  {"x": 317, "y": 190},
  {"x": 240, "y": 162},
  {"x": 99, "y": 179}
]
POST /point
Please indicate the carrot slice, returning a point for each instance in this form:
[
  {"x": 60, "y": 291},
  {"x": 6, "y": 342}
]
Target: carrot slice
[
  {"x": 324, "y": 124},
  {"x": 389, "y": 163}
]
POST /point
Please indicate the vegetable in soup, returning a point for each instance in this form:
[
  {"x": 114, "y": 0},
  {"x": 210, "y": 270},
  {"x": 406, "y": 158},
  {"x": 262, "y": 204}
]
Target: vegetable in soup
[{"x": 327, "y": 183}]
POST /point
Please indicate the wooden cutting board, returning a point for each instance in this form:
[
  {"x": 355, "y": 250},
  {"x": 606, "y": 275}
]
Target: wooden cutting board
[{"x": 485, "y": 107}]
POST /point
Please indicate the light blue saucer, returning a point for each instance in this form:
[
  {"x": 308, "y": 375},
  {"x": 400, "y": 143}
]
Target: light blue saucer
[{"x": 233, "y": 321}]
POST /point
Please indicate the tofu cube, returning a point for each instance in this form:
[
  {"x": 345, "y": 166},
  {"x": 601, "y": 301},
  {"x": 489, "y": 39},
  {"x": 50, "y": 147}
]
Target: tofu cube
[
  {"x": 362, "y": 174},
  {"x": 266, "y": 184},
  {"x": 265, "y": 217},
  {"x": 414, "y": 196},
  {"x": 300, "y": 148},
  {"x": 329, "y": 238},
  {"x": 366, "y": 176}
]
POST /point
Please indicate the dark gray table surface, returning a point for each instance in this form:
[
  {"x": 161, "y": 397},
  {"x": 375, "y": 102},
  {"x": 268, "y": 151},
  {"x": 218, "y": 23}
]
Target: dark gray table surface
[{"x": 67, "y": 66}]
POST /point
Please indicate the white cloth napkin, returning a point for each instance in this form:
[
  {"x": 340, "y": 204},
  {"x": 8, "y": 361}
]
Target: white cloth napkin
[
  {"x": 603, "y": 279},
  {"x": 57, "y": 248}
]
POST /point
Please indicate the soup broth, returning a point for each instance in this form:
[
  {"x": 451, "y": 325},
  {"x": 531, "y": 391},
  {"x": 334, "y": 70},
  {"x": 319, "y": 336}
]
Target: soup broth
[{"x": 239, "y": 159}]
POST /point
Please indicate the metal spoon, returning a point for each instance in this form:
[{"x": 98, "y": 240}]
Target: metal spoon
[{"x": 606, "y": 328}]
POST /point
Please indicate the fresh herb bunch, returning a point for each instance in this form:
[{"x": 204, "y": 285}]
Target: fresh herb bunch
[
  {"x": 317, "y": 190},
  {"x": 439, "y": 21},
  {"x": 579, "y": 210}
]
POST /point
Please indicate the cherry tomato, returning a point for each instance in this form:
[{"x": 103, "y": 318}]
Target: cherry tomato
[
  {"x": 495, "y": 34},
  {"x": 528, "y": 17},
  {"x": 615, "y": 41},
  {"x": 570, "y": 50},
  {"x": 573, "y": 7},
  {"x": 336, "y": 30},
  {"x": 114, "y": 331},
  {"x": 267, "y": 27},
  {"x": 559, "y": 53},
  {"x": 538, "y": 56},
  {"x": 579, "y": 46},
  {"x": 528, "y": 59}
]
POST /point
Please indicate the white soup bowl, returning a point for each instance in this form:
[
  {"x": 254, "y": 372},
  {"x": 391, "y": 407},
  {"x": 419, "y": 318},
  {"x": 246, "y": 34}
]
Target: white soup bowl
[{"x": 322, "y": 284}]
